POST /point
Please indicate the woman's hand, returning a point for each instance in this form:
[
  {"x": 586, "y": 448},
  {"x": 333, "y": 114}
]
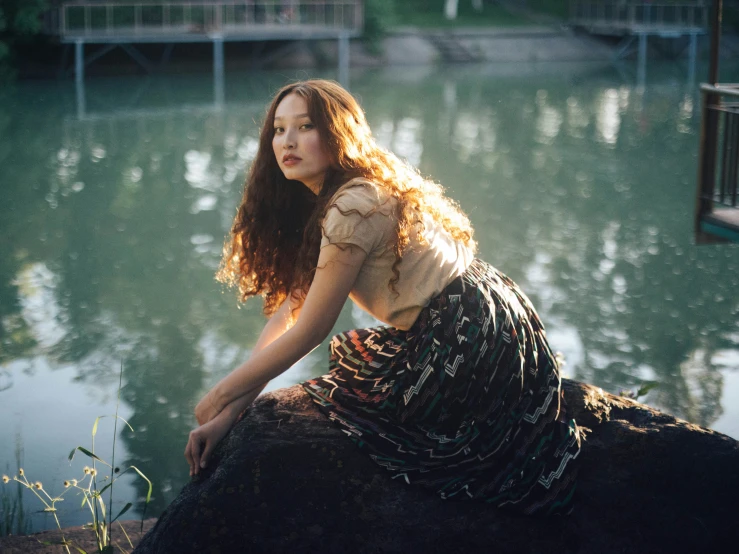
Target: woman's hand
[
  {"x": 207, "y": 408},
  {"x": 204, "y": 439}
]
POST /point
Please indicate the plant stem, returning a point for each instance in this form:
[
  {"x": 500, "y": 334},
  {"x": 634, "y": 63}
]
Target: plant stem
[
  {"x": 60, "y": 529},
  {"x": 112, "y": 461},
  {"x": 94, "y": 485}
]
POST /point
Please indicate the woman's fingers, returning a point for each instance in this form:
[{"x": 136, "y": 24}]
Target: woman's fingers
[
  {"x": 204, "y": 439},
  {"x": 207, "y": 451},
  {"x": 188, "y": 454},
  {"x": 192, "y": 451},
  {"x": 195, "y": 440}
]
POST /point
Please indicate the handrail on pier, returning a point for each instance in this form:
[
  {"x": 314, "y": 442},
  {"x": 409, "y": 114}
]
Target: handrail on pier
[
  {"x": 621, "y": 16},
  {"x": 86, "y": 19},
  {"x": 717, "y": 210}
]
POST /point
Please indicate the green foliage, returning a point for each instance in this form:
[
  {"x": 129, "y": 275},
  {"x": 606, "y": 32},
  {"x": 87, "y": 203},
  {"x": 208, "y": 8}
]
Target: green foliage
[
  {"x": 643, "y": 389},
  {"x": 379, "y": 15},
  {"x": 89, "y": 487},
  {"x": 23, "y": 17},
  {"x": 430, "y": 13},
  {"x": 557, "y": 8},
  {"x": 19, "y": 20},
  {"x": 14, "y": 518}
]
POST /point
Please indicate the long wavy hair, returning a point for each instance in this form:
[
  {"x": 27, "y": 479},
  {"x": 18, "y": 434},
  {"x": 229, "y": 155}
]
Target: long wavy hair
[{"x": 274, "y": 243}]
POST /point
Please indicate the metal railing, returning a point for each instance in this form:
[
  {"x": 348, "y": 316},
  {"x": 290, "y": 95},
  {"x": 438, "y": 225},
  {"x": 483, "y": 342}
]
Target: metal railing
[
  {"x": 621, "y": 14},
  {"x": 148, "y": 16},
  {"x": 719, "y": 148}
]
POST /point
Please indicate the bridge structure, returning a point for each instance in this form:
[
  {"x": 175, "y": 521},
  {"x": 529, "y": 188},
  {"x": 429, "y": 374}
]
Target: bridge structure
[
  {"x": 124, "y": 24},
  {"x": 717, "y": 201},
  {"x": 638, "y": 20}
]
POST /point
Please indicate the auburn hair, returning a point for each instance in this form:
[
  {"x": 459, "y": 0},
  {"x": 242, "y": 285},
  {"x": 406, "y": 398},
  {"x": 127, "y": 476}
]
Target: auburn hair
[{"x": 273, "y": 246}]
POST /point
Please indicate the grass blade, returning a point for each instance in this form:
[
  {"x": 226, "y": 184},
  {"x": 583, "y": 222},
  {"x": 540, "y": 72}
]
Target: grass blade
[
  {"x": 86, "y": 452},
  {"x": 126, "y": 422},
  {"x": 124, "y": 532},
  {"x": 645, "y": 388},
  {"x": 123, "y": 511},
  {"x": 145, "y": 478},
  {"x": 105, "y": 488}
]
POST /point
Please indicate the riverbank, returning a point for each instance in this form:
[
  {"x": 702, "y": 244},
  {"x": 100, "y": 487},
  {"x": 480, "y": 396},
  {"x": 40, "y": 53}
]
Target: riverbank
[
  {"x": 49, "y": 542},
  {"x": 409, "y": 45},
  {"x": 543, "y": 42}
]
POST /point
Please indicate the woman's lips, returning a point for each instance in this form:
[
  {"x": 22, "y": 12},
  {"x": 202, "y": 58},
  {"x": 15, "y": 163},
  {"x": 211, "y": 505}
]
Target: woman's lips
[{"x": 291, "y": 160}]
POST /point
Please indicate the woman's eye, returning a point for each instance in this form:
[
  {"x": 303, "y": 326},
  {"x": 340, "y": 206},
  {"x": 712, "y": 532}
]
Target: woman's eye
[
  {"x": 278, "y": 130},
  {"x": 308, "y": 126}
]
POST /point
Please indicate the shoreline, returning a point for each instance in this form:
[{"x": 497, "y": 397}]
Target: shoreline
[
  {"x": 78, "y": 535},
  {"x": 401, "y": 46}
]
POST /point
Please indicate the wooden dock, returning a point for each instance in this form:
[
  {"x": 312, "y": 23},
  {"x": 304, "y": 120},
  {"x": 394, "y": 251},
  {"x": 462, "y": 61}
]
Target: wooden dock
[
  {"x": 622, "y": 17},
  {"x": 717, "y": 207},
  {"x": 195, "y": 33},
  {"x": 125, "y": 24},
  {"x": 639, "y": 20}
]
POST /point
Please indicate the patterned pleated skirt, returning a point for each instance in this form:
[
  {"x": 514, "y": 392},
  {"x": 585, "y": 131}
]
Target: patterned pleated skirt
[{"x": 466, "y": 403}]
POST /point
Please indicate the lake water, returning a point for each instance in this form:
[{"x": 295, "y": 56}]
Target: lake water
[{"x": 114, "y": 206}]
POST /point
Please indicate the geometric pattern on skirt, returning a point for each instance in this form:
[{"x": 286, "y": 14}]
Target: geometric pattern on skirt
[{"x": 466, "y": 403}]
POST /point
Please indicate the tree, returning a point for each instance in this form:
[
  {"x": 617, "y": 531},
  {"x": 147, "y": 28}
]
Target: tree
[
  {"x": 19, "y": 19},
  {"x": 451, "y": 6}
]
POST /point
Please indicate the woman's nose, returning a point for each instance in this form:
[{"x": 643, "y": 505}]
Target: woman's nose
[{"x": 289, "y": 141}]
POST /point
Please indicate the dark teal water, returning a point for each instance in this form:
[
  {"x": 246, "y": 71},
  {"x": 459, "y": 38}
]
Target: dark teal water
[{"x": 580, "y": 186}]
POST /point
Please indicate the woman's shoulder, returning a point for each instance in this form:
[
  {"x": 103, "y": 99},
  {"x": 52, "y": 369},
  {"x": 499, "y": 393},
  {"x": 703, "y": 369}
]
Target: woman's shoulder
[{"x": 360, "y": 194}]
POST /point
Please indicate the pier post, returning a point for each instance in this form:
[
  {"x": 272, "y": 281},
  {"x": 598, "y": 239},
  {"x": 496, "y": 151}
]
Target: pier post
[
  {"x": 79, "y": 60},
  {"x": 693, "y": 55},
  {"x": 79, "y": 77},
  {"x": 81, "y": 101},
  {"x": 641, "y": 74},
  {"x": 218, "y": 70},
  {"x": 344, "y": 59}
]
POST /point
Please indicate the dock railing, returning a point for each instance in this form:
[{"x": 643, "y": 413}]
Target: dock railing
[
  {"x": 621, "y": 16},
  {"x": 91, "y": 18},
  {"x": 717, "y": 208}
]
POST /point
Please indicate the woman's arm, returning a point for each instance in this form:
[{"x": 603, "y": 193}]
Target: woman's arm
[
  {"x": 276, "y": 326},
  {"x": 337, "y": 269}
]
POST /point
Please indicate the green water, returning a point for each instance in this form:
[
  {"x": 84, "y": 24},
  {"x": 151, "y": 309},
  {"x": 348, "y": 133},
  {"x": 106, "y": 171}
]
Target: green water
[{"x": 580, "y": 186}]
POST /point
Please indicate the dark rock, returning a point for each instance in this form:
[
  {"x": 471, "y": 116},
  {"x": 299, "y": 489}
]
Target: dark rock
[
  {"x": 287, "y": 481},
  {"x": 79, "y": 537}
]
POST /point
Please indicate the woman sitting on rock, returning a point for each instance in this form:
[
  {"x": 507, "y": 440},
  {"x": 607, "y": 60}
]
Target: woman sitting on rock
[{"x": 459, "y": 391}]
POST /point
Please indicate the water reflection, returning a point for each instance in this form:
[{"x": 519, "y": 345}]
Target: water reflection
[{"x": 579, "y": 188}]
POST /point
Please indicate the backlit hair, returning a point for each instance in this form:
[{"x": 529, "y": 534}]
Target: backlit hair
[{"x": 274, "y": 243}]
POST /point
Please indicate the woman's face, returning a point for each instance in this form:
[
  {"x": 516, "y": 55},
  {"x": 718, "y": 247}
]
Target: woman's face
[{"x": 299, "y": 150}]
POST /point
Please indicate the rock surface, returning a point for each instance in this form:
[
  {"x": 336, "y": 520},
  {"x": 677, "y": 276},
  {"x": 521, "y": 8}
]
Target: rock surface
[
  {"x": 79, "y": 537},
  {"x": 285, "y": 480}
]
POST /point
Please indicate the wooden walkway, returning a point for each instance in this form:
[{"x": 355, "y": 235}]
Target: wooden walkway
[
  {"x": 124, "y": 24},
  {"x": 636, "y": 21},
  {"x": 639, "y": 20},
  {"x": 621, "y": 17},
  {"x": 190, "y": 33},
  {"x": 717, "y": 207},
  {"x": 193, "y": 21}
]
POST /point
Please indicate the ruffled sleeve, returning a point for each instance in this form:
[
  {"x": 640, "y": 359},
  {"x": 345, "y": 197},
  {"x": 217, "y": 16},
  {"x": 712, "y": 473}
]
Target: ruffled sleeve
[{"x": 359, "y": 214}]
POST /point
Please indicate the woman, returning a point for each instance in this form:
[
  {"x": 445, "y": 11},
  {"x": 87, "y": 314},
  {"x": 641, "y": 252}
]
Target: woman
[{"x": 460, "y": 392}]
